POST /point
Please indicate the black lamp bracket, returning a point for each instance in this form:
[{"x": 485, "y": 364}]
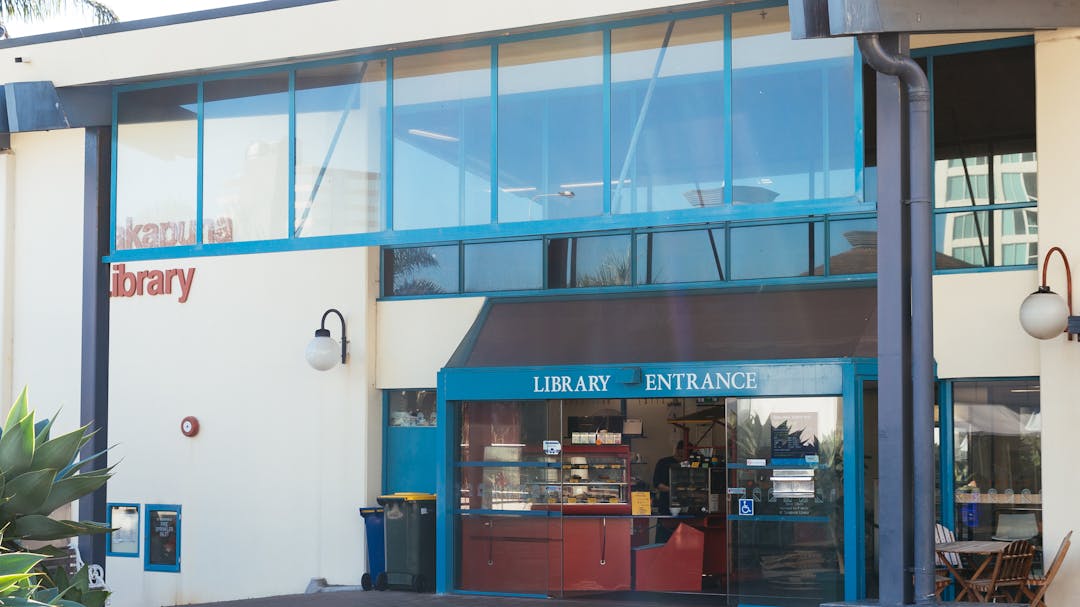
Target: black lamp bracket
[{"x": 324, "y": 332}]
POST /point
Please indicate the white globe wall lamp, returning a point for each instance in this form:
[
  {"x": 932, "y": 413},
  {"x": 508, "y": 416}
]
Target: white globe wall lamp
[
  {"x": 323, "y": 352},
  {"x": 1044, "y": 314}
]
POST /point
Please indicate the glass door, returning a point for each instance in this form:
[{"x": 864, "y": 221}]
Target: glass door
[
  {"x": 785, "y": 487},
  {"x": 508, "y": 514}
]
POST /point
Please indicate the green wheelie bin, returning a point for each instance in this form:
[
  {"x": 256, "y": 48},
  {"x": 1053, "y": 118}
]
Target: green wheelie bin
[{"x": 409, "y": 525}]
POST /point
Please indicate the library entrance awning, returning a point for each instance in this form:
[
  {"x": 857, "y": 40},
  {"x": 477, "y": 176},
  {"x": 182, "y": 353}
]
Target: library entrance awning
[{"x": 673, "y": 327}]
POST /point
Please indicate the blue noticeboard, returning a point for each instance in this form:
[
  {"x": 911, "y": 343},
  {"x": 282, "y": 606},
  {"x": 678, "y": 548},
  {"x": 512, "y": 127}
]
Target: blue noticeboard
[{"x": 746, "y": 507}]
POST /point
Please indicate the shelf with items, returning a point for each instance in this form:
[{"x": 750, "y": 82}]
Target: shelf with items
[
  {"x": 697, "y": 491},
  {"x": 595, "y": 476}
]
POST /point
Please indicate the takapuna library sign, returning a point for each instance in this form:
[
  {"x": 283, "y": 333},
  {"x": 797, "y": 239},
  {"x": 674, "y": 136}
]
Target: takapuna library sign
[{"x": 175, "y": 281}]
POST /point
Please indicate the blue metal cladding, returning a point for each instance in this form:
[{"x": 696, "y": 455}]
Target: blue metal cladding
[{"x": 567, "y": 223}]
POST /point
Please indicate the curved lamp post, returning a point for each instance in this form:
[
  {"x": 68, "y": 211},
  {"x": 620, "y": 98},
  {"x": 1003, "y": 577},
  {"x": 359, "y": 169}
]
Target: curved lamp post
[
  {"x": 1044, "y": 314},
  {"x": 323, "y": 352}
]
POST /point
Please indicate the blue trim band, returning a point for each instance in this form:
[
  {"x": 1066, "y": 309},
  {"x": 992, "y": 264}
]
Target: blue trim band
[
  {"x": 852, "y": 509},
  {"x": 387, "y": 201},
  {"x": 729, "y": 134},
  {"x": 200, "y": 157},
  {"x": 777, "y": 518},
  {"x": 494, "y": 92},
  {"x": 291, "y": 195},
  {"x": 606, "y": 112},
  {"x": 112, "y": 169},
  {"x": 947, "y": 454}
]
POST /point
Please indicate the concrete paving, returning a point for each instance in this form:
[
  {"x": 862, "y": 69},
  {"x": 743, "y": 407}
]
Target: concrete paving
[{"x": 391, "y": 598}]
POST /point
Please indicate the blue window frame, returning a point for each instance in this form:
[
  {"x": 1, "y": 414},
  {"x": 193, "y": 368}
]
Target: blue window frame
[
  {"x": 832, "y": 247},
  {"x": 162, "y": 544},
  {"x": 124, "y": 541},
  {"x": 618, "y": 125}
]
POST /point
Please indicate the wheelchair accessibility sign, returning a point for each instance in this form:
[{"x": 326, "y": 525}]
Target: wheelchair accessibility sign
[{"x": 746, "y": 507}]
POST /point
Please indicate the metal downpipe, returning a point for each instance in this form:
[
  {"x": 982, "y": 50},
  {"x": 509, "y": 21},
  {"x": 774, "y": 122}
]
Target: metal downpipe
[{"x": 922, "y": 310}]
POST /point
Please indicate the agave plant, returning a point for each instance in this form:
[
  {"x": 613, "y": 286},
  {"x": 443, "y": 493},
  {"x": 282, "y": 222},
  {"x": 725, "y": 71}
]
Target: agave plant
[
  {"x": 17, "y": 578},
  {"x": 38, "y": 475}
]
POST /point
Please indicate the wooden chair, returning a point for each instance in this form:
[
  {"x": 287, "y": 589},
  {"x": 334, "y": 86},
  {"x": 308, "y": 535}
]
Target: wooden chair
[
  {"x": 942, "y": 579},
  {"x": 941, "y": 582},
  {"x": 944, "y": 535},
  {"x": 1035, "y": 589},
  {"x": 1012, "y": 570}
]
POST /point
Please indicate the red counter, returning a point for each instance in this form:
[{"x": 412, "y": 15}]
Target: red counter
[{"x": 544, "y": 555}]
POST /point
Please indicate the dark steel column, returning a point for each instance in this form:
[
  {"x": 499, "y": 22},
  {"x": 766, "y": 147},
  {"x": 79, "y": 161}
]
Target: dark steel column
[
  {"x": 95, "y": 324},
  {"x": 894, "y": 342},
  {"x": 922, "y": 334}
]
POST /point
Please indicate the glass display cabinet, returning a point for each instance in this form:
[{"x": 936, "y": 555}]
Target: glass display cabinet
[
  {"x": 596, "y": 479},
  {"x": 697, "y": 491}
]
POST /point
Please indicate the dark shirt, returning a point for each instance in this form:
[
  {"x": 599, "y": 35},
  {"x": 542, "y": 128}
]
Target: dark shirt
[{"x": 662, "y": 474}]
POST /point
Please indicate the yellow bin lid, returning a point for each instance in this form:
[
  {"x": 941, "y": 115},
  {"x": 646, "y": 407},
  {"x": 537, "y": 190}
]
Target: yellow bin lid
[{"x": 409, "y": 496}]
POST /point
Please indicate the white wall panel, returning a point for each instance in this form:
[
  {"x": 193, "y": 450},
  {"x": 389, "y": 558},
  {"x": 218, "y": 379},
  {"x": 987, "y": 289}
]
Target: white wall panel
[
  {"x": 271, "y": 485},
  {"x": 417, "y": 338},
  {"x": 977, "y": 332},
  {"x": 46, "y": 273},
  {"x": 1057, "y": 73}
]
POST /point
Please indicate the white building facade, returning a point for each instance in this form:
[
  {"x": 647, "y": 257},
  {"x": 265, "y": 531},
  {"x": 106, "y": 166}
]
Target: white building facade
[{"x": 268, "y": 163}]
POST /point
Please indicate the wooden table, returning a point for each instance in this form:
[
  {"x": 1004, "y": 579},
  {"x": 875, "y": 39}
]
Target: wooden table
[{"x": 989, "y": 549}]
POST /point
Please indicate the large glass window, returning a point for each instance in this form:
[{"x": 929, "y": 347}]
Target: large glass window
[
  {"x": 682, "y": 256},
  {"x": 442, "y": 132},
  {"x": 620, "y": 121},
  {"x": 421, "y": 270},
  {"x": 984, "y": 149},
  {"x": 777, "y": 251},
  {"x": 551, "y": 128},
  {"x": 246, "y": 158},
  {"x": 339, "y": 148},
  {"x": 997, "y": 482},
  {"x": 667, "y": 115},
  {"x": 156, "y": 175},
  {"x": 594, "y": 261},
  {"x": 853, "y": 246},
  {"x": 995, "y": 239},
  {"x": 792, "y": 107},
  {"x": 760, "y": 251},
  {"x": 504, "y": 266}
]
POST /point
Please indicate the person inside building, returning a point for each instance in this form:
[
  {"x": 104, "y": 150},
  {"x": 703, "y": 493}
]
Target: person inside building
[{"x": 661, "y": 478}]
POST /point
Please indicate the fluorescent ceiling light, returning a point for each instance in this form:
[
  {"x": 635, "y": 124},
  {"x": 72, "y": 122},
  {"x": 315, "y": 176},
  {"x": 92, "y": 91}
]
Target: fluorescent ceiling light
[
  {"x": 432, "y": 135},
  {"x": 513, "y": 190},
  {"x": 589, "y": 184}
]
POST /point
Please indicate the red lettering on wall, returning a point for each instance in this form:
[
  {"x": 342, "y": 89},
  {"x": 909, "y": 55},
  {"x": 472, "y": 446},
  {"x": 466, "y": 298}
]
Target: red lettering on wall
[{"x": 150, "y": 282}]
